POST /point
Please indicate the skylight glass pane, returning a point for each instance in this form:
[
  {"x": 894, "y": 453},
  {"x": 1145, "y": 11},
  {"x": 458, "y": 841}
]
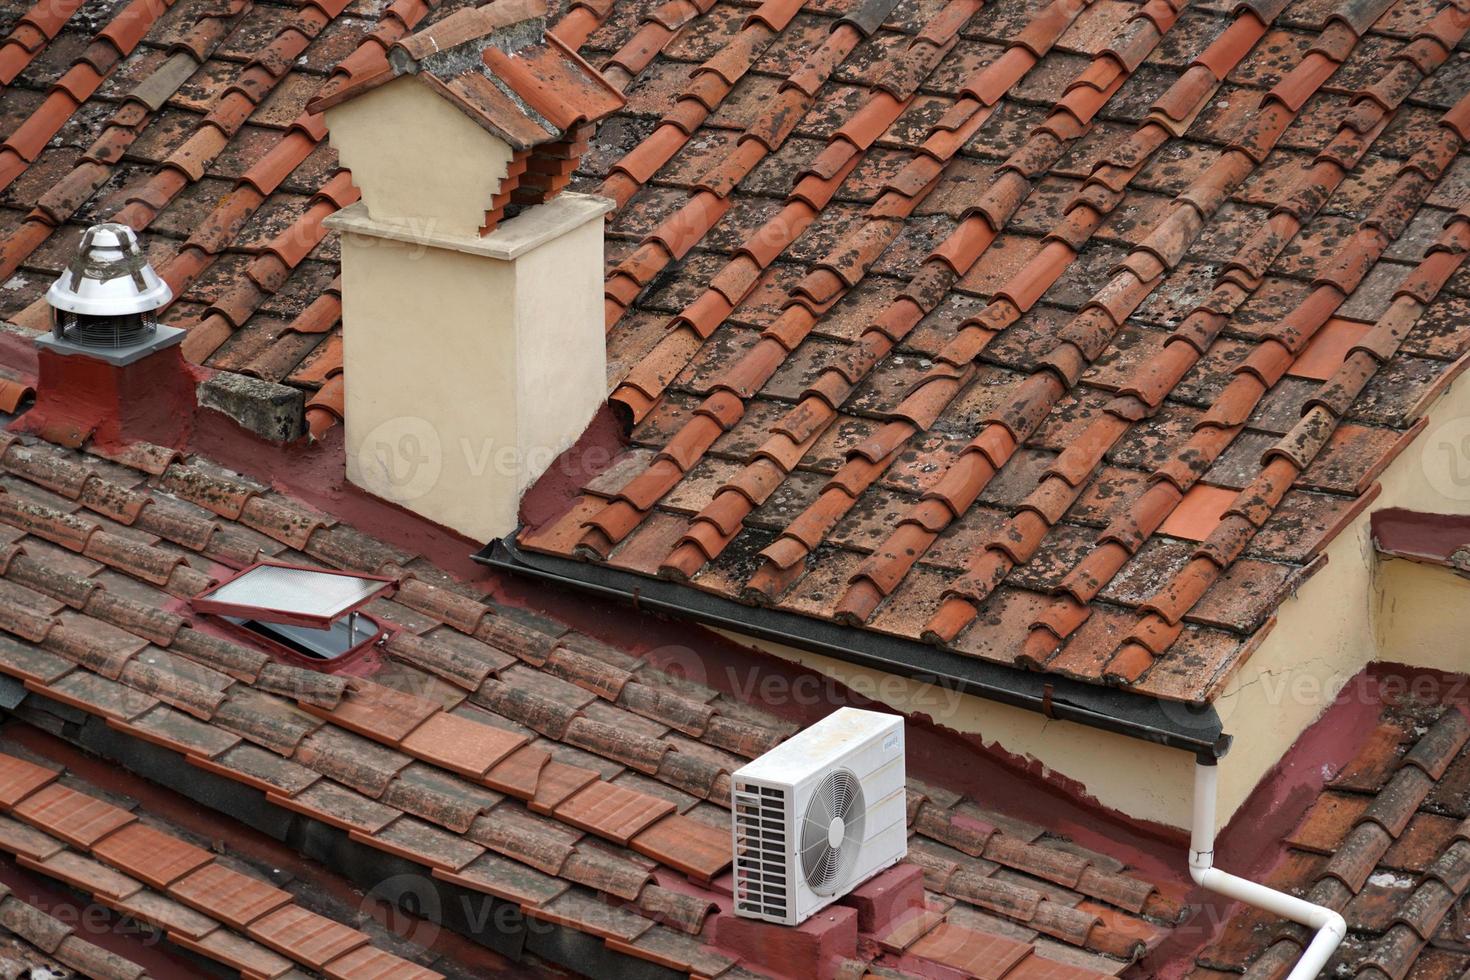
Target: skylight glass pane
[{"x": 296, "y": 591}]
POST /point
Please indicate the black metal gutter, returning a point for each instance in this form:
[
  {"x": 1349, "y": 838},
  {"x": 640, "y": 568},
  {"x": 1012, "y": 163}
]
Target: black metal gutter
[{"x": 1195, "y": 729}]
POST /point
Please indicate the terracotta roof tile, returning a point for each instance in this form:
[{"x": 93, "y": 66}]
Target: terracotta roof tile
[
  {"x": 700, "y": 851},
  {"x": 24, "y": 841},
  {"x": 20, "y": 779},
  {"x": 84, "y": 874},
  {"x": 76, "y": 818},
  {"x": 510, "y": 880},
  {"x": 264, "y": 720},
  {"x": 227, "y": 895},
  {"x": 369, "y": 963},
  {"x": 163, "y": 912},
  {"x": 330, "y": 803},
  {"x": 818, "y": 377},
  {"x": 614, "y": 712},
  {"x": 1434, "y": 751},
  {"x": 378, "y": 712},
  {"x": 592, "y": 916},
  {"x": 612, "y": 811},
  {"x": 971, "y": 953},
  {"x": 460, "y": 744},
  {"x": 236, "y": 951},
  {"x": 422, "y": 843},
  {"x": 1371, "y": 841},
  {"x": 149, "y": 855}
]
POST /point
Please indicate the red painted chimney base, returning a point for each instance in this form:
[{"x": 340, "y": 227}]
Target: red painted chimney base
[{"x": 80, "y": 397}]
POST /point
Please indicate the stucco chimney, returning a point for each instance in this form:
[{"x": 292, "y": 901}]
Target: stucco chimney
[
  {"x": 473, "y": 348},
  {"x": 108, "y": 370}
]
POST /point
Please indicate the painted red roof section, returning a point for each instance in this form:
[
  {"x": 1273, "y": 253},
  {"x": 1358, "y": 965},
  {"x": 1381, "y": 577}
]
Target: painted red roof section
[
  {"x": 495, "y": 748},
  {"x": 1436, "y": 539},
  {"x": 1062, "y": 336}
]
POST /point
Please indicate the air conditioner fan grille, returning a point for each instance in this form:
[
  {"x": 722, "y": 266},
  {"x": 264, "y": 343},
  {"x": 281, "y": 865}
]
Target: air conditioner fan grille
[{"x": 832, "y": 832}]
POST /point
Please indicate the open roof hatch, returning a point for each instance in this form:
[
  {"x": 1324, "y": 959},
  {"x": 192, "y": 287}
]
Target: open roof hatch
[{"x": 306, "y": 613}]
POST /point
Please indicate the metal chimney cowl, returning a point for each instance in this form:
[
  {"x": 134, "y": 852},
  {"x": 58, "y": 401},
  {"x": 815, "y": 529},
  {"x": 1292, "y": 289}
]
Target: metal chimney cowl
[
  {"x": 105, "y": 303},
  {"x": 108, "y": 371}
]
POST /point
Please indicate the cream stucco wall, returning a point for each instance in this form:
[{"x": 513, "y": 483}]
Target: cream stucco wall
[
  {"x": 1423, "y": 614},
  {"x": 1355, "y": 610},
  {"x": 439, "y": 172},
  {"x": 472, "y": 362}
]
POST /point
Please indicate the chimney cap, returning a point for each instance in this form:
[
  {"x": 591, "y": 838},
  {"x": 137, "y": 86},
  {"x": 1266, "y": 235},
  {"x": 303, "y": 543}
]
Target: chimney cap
[
  {"x": 109, "y": 276},
  {"x": 501, "y": 67}
]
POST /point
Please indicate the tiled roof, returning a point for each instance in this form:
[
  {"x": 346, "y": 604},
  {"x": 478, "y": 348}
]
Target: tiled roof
[
  {"x": 137, "y": 866},
  {"x": 986, "y": 326},
  {"x": 186, "y": 121},
  {"x": 968, "y": 324},
  {"x": 48, "y": 943},
  {"x": 496, "y": 749},
  {"x": 1063, "y": 336},
  {"x": 1387, "y": 844}
]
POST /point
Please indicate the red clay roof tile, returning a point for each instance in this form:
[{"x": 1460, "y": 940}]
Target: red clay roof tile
[
  {"x": 23, "y": 841},
  {"x": 1093, "y": 337},
  {"x": 227, "y": 895},
  {"x": 84, "y": 874},
  {"x": 1391, "y": 912},
  {"x": 149, "y": 855},
  {"x": 1087, "y": 338},
  {"x": 422, "y": 843},
  {"x": 20, "y": 779},
  {"x": 510, "y": 880},
  {"x": 697, "y": 849},
  {"x": 166, "y": 914},
  {"x": 612, "y": 811},
  {"x": 460, "y": 744}
]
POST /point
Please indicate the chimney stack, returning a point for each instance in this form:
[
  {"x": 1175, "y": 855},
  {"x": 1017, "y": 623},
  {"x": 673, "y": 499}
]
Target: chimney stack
[
  {"x": 108, "y": 370},
  {"x": 473, "y": 341}
]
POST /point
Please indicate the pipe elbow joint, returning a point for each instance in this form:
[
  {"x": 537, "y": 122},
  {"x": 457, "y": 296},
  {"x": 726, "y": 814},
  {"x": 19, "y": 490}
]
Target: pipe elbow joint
[
  {"x": 1201, "y": 863},
  {"x": 1335, "y": 925}
]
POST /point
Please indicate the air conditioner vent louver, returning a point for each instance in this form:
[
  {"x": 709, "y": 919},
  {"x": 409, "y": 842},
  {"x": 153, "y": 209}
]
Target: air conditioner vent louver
[
  {"x": 761, "y": 849},
  {"x": 818, "y": 814}
]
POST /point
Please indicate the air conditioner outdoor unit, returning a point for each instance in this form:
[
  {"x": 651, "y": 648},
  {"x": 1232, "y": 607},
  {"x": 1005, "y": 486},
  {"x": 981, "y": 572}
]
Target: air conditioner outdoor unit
[{"x": 819, "y": 814}]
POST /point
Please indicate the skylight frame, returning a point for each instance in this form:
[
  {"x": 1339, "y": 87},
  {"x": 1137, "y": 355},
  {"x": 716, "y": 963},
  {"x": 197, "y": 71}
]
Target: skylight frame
[{"x": 204, "y": 603}]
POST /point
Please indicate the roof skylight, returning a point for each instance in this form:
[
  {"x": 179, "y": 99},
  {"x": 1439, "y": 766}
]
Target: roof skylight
[{"x": 294, "y": 596}]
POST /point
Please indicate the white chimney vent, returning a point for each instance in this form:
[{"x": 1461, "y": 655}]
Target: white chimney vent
[{"x": 106, "y": 301}]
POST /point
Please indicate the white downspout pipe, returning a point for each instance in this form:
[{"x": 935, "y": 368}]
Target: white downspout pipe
[{"x": 1327, "y": 924}]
